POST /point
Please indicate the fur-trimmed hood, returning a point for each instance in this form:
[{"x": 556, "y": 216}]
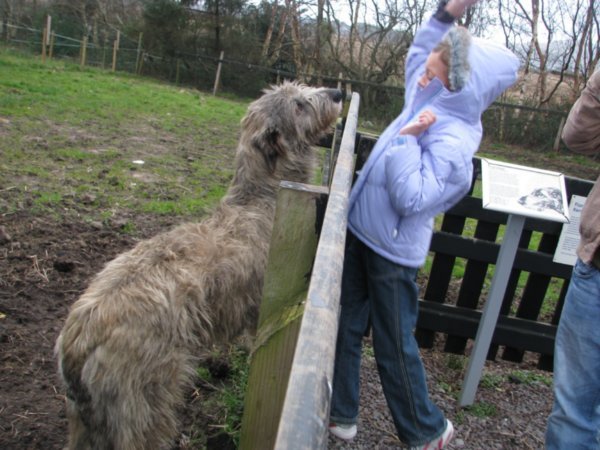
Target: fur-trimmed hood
[
  {"x": 480, "y": 70},
  {"x": 459, "y": 70}
]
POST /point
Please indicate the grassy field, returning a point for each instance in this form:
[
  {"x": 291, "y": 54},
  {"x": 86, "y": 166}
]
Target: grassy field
[{"x": 110, "y": 141}]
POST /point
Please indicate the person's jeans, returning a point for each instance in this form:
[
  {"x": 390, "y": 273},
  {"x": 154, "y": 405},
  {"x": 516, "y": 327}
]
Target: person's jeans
[
  {"x": 574, "y": 423},
  {"x": 376, "y": 288}
]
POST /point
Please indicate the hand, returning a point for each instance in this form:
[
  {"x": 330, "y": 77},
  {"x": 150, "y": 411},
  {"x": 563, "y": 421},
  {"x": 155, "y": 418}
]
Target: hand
[
  {"x": 456, "y": 8},
  {"x": 424, "y": 121},
  {"x": 468, "y": 3}
]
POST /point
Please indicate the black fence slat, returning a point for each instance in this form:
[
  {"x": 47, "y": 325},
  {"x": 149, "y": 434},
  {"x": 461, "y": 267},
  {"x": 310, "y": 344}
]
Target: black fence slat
[
  {"x": 534, "y": 294},
  {"x": 472, "y": 284},
  {"x": 534, "y": 336},
  {"x": 440, "y": 274},
  {"x": 523, "y": 332}
]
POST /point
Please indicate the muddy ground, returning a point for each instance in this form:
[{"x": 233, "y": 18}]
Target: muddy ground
[{"x": 46, "y": 263}]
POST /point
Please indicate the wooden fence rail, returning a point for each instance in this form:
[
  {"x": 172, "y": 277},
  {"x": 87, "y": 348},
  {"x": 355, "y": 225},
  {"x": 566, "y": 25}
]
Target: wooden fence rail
[
  {"x": 289, "y": 386},
  {"x": 451, "y": 306}
]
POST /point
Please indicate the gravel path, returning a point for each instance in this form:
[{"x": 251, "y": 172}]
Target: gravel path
[{"x": 510, "y": 410}]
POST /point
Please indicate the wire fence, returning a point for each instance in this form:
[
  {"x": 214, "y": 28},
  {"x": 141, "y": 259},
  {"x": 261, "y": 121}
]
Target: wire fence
[{"x": 503, "y": 122}]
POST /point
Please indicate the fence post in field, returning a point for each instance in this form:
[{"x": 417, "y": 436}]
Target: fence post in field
[
  {"x": 218, "y": 77},
  {"x": 51, "y": 48},
  {"x": 556, "y": 146},
  {"x": 115, "y": 50},
  {"x": 83, "y": 52},
  {"x": 289, "y": 385},
  {"x": 44, "y": 32},
  {"x": 46, "y": 37},
  {"x": 501, "y": 125},
  {"x": 139, "y": 71},
  {"x": 139, "y": 54},
  {"x": 177, "y": 68}
]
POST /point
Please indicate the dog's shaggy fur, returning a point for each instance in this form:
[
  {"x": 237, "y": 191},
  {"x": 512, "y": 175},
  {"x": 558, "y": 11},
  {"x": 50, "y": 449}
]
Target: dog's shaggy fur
[{"x": 130, "y": 344}]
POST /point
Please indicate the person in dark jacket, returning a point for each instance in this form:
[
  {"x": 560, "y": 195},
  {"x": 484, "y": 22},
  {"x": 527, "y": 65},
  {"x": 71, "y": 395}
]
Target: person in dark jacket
[
  {"x": 574, "y": 423},
  {"x": 420, "y": 166}
]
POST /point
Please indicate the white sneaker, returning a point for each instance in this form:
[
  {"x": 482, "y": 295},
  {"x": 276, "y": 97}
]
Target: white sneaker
[
  {"x": 343, "y": 431},
  {"x": 440, "y": 442}
]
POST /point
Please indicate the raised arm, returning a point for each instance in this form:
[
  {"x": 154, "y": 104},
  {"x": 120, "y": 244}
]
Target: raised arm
[{"x": 429, "y": 35}]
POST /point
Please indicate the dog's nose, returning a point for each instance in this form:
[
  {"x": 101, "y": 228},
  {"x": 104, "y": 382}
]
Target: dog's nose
[{"x": 336, "y": 95}]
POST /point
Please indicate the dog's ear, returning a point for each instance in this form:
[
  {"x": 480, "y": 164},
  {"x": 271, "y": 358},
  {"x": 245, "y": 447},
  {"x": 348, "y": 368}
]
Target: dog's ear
[{"x": 270, "y": 145}]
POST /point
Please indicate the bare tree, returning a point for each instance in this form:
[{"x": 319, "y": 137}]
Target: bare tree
[
  {"x": 373, "y": 46},
  {"x": 587, "y": 48},
  {"x": 552, "y": 37}
]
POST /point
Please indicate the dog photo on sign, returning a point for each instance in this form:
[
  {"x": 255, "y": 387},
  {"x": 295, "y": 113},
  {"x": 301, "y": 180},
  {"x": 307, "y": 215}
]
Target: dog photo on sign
[{"x": 542, "y": 199}]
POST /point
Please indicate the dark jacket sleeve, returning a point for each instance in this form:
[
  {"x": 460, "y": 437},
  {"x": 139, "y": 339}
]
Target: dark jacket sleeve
[{"x": 582, "y": 128}]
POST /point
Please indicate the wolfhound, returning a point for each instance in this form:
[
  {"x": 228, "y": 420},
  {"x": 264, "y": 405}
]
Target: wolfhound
[{"x": 130, "y": 343}]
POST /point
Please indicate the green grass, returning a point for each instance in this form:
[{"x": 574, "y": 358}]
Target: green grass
[
  {"x": 482, "y": 410},
  {"x": 528, "y": 377},
  {"x": 68, "y": 134}
]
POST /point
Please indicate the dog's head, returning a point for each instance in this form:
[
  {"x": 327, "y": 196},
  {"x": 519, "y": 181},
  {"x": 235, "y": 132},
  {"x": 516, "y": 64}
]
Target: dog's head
[
  {"x": 286, "y": 121},
  {"x": 543, "y": 198}
]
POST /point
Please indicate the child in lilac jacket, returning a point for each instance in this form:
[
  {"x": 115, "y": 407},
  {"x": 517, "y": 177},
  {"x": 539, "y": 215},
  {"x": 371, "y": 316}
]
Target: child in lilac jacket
[{"x": 420, "y": 166}]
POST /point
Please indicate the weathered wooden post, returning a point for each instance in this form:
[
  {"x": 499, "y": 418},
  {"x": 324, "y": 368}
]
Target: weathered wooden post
[
  {"x": 556, "y": 146},
  {"x": 218, "y": 76},
  {"x": 83, "y": 52},
  {"x": 305, "y": 416},
  {"x": 115, "y": 50},
  {"x": 138, "y": 57},
  {"x": 46, "y": 37},
  {"x": 291, "y": 254},
  {"x": 44, "y": 33},
  {"x": 287, "y": 398},
  {"x": 51, "y": 48}
]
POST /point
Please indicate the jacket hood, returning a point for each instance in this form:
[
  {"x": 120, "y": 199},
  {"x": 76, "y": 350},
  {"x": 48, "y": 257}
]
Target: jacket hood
[
  {"x": 490, "y": 70},
  {"x": 459, "y": 69}
]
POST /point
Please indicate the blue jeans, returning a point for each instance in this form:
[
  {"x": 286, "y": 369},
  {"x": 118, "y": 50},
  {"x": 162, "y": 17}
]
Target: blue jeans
[
  {"x": 376, "y": 288},
  {"x": 574, "y": 423}
]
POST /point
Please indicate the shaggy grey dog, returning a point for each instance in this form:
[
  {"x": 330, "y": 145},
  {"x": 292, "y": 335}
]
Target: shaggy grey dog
[{"x": 130, "y": 343}]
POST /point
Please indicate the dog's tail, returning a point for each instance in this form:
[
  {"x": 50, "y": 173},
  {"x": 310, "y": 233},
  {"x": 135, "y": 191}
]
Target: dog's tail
[{"x": 78, "y": 403}]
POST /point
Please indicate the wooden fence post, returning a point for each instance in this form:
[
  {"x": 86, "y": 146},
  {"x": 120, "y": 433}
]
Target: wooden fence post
[
  {"x": 139, "y": 54},
  {"x": 289, "y": 385},
  {"x": 51, "y": 48},
  {"x": 291, "y": 254},
  {"x": 305, "y": 415},
  {"x": 44, "y": 32},
  {"x": 556, "y": 146},
  {"x": 115, "y": 50},
  {"x": 218, "y": 77},
  {"x": 339, "y": 83},
  {"x": 83, "y": 52},
  {"x": 139, "y": 72}
]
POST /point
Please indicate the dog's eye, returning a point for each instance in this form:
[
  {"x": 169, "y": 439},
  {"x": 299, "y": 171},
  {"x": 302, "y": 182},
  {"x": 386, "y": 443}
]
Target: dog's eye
[{"x": 299, "y": 106}]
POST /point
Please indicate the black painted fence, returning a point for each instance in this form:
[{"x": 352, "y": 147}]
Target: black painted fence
[{"x": 451, "y": 307}]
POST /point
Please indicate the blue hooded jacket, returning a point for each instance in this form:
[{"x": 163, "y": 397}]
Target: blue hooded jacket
[{"x": 407, "y": 180}]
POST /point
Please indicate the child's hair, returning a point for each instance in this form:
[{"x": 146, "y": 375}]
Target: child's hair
[{"x": 454, "y": 53}]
